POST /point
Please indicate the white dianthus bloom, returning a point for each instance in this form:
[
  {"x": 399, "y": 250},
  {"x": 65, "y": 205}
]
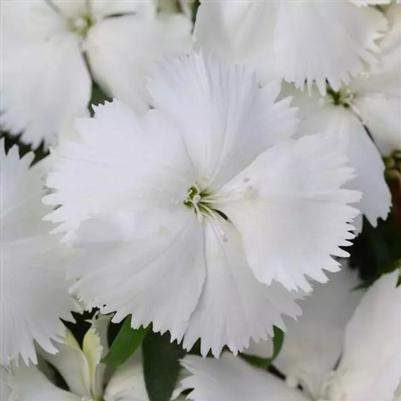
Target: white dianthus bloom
[
  {"x": 366, "y": 339},
  {"x": 34, "y": 292},
  {"x": 200, "y": 204},
  {"x": 369, "y": 105},
  {"x": 48, "y": 46},
  {"x": 300, "y": 41},
  {"x": 82, "y": 371}
]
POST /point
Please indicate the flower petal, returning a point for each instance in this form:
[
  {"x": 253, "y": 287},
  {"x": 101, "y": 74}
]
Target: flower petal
[
  {"x": 380, "y": 115},
  {"x": 29, "y": 384},
  {"x": 341, "y": 123},
  {"x": 240, "y": 32},
  {"x": 224, "y": 117},
  {"x": 139, "y": 170},
  {"x": 92, "y": 348},
  {"x": 121, "y": 51},
  {"x": 313, "y": 344},
  {"x": 370, "y": 368},
  {"x": 365, "y": 159},
  {"x": 305, "y": 42},
  {"x": 397, "y": 396},
  {"x": 141, "y": 247},
  {"x": 234, "y": 307},
  {"x": 70, "y": 8},
  {"x": 156, "y": 275},
  {"x": 82, "y": 369},
  {"x": 4, "y": 387},
  {"x": 72, "y": 364},
  {"x": 35, "y": 296},
  {"x": 370, "y": 2},
  {"x": 378, "y": 104},
  {"x": 291, "y": 211},
  {"x": 390, "y": 44},
  {"x": 128, "y": 382},
  {"x": 33, "y": 287},
  {"x": 261, "y": 349},
  {"x": 232, "y": 379},
  {"x": 312, "y": 38},
  {"x": 42, "y": 95}
]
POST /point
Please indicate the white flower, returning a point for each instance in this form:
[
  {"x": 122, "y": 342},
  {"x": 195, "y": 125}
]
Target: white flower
[
  {"x": 82, "y": 371},
  {"x": 34, "y": 292},
  {"x": 320, "y": 330},
  {"x": 370, "y": 350},
  {"x": 368, "y": 105},
  {"x": 49, "y": 45},
  {"x": 200, "y": 204},
  {"x": 300, "y": 41}
]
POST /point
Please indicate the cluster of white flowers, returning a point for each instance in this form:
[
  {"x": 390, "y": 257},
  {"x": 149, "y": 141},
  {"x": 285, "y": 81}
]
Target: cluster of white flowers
[{"x": 210, "y": 199}]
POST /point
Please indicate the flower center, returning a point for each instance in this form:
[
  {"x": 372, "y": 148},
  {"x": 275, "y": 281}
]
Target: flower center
[
  {"x": 342, "y": 97},
  {"x": 81, "y": 24},
  {"x": 199, "y": 200},
  {"x": 202, "y": 202}
]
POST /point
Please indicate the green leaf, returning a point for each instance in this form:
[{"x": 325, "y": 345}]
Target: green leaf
[
  {"x": 98, "y": 96},
  {"x": 257, "y": 361},
  {"x": 160, "y": 365},
  {"x": 125, "y": 344},
  {"x": 264, "y": 363},
  {"x": 278, "y": 341}
]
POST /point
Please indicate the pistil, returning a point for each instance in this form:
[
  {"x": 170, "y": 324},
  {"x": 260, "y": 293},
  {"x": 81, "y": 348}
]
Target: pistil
[{"x": 82, "y": 24}]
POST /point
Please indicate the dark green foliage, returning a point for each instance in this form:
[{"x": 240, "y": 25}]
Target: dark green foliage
[
  {"x": 81, "y": 325},
  {"x": 161, "y": 365},
  {"x": 377, "y": 250},
  {"x": 125, "y": 344},
  {"x": 98, "y": 96}
]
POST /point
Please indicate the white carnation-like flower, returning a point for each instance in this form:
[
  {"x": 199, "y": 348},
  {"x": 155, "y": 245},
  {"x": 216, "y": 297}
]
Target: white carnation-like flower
[
  {"x": 202, "y": 206},
  {"x": 300, "y": 41},
  {"x": 330, "y": 329},
  {"x": 34, "y": 292},
  {"x": 82, "y": 371},
  {"x": 49, "y": 46},
  {"x": 364, "y": 117}
]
